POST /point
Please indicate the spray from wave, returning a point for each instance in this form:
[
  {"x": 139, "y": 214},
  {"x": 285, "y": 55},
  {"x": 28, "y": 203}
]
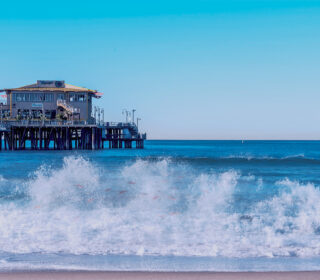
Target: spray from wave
[{"x": 156, "y": 207}]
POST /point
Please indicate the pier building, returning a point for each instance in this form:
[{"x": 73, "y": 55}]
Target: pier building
[
  {"x": 51, "y": 114},
  {"x": 50, "y": 99}
]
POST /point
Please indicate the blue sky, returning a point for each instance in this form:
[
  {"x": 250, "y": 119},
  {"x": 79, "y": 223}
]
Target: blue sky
[{"x": 192, "y": 69}]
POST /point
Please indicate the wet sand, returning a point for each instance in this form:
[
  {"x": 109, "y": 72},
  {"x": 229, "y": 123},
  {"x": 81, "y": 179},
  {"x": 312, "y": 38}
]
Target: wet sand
[{"x": 86, "y": 275}]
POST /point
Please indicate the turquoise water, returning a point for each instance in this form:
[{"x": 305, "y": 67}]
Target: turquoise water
[{"x": 176, "y": 205}]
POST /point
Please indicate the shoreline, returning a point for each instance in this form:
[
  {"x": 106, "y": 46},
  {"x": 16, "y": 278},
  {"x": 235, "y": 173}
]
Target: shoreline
[{"x": 137, "y": 275}]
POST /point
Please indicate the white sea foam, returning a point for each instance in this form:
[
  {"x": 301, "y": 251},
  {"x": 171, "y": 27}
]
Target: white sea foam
[{"x": 157, "y": 208}]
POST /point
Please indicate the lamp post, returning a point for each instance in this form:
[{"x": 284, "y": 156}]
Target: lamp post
[
  {"x": 42, "y": 115},
  {"x": 95, "y": 114},
  {"x": 125, "y": 111},
  {"x": 133, "y": 110},
  {"x": 99, "y": 115},
  {"x": 138, "y": 119}
]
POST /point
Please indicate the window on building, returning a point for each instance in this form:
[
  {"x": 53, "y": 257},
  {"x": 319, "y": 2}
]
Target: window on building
[
  {"x": 34, "y": 96},
  {"x": 6, "y": 113},
  {"x": 48, "y": 97},
  {"x": 25, "y": 114},
  {"x": 71, "y": 97},
  {"x": 61, "y": 96},
  {"x": 20, "y": 97},
  {"x": 50, "y": 114},
  {"x": 36, "y": 113},
  {"x": 81, "y": 97}
]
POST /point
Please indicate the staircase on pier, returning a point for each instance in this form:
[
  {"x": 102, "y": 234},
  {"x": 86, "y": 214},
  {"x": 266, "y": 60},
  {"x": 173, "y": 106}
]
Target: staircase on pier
[{"x": 67, "y": 107}]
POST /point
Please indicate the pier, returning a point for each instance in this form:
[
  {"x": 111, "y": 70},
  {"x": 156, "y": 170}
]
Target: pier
[
  {"x": 53, "y": 115},
  {"x": 69, "y": 135}
]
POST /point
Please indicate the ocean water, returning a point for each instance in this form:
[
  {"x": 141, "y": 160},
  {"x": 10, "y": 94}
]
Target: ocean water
[{"x": 174, "y": 206}]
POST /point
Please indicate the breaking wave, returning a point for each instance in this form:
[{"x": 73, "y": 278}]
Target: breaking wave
[{"x": 156, "y": 207}]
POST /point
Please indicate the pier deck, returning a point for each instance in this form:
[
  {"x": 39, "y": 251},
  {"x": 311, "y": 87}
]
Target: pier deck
[{"x": 68, "y": 135}]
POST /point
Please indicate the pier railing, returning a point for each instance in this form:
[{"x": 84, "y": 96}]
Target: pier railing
[
  {"x": 119, "y": 124},
  {"x": 133, "y": 129},
  {"x": 9, "y": 123}
]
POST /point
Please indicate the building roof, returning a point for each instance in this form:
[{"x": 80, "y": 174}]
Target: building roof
[{"x": 64, "y": 88}]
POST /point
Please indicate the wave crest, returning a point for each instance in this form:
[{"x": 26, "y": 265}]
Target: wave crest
[{"x": 158, "y": 207}]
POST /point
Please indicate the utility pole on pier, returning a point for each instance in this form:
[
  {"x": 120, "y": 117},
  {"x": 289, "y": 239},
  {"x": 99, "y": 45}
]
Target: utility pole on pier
[
  {"x": 99, "y": 115},
  {"x": 138, "y": 119},
  {"x": 125, "y": 111},
  {"x": 102, "y": 112},
  {"x": 133, "y": 110},
  {"x": 95, "y": 114}
]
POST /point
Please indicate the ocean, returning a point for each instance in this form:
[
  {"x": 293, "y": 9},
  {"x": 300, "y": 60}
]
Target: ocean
[{"x": 174, "y": 206}]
